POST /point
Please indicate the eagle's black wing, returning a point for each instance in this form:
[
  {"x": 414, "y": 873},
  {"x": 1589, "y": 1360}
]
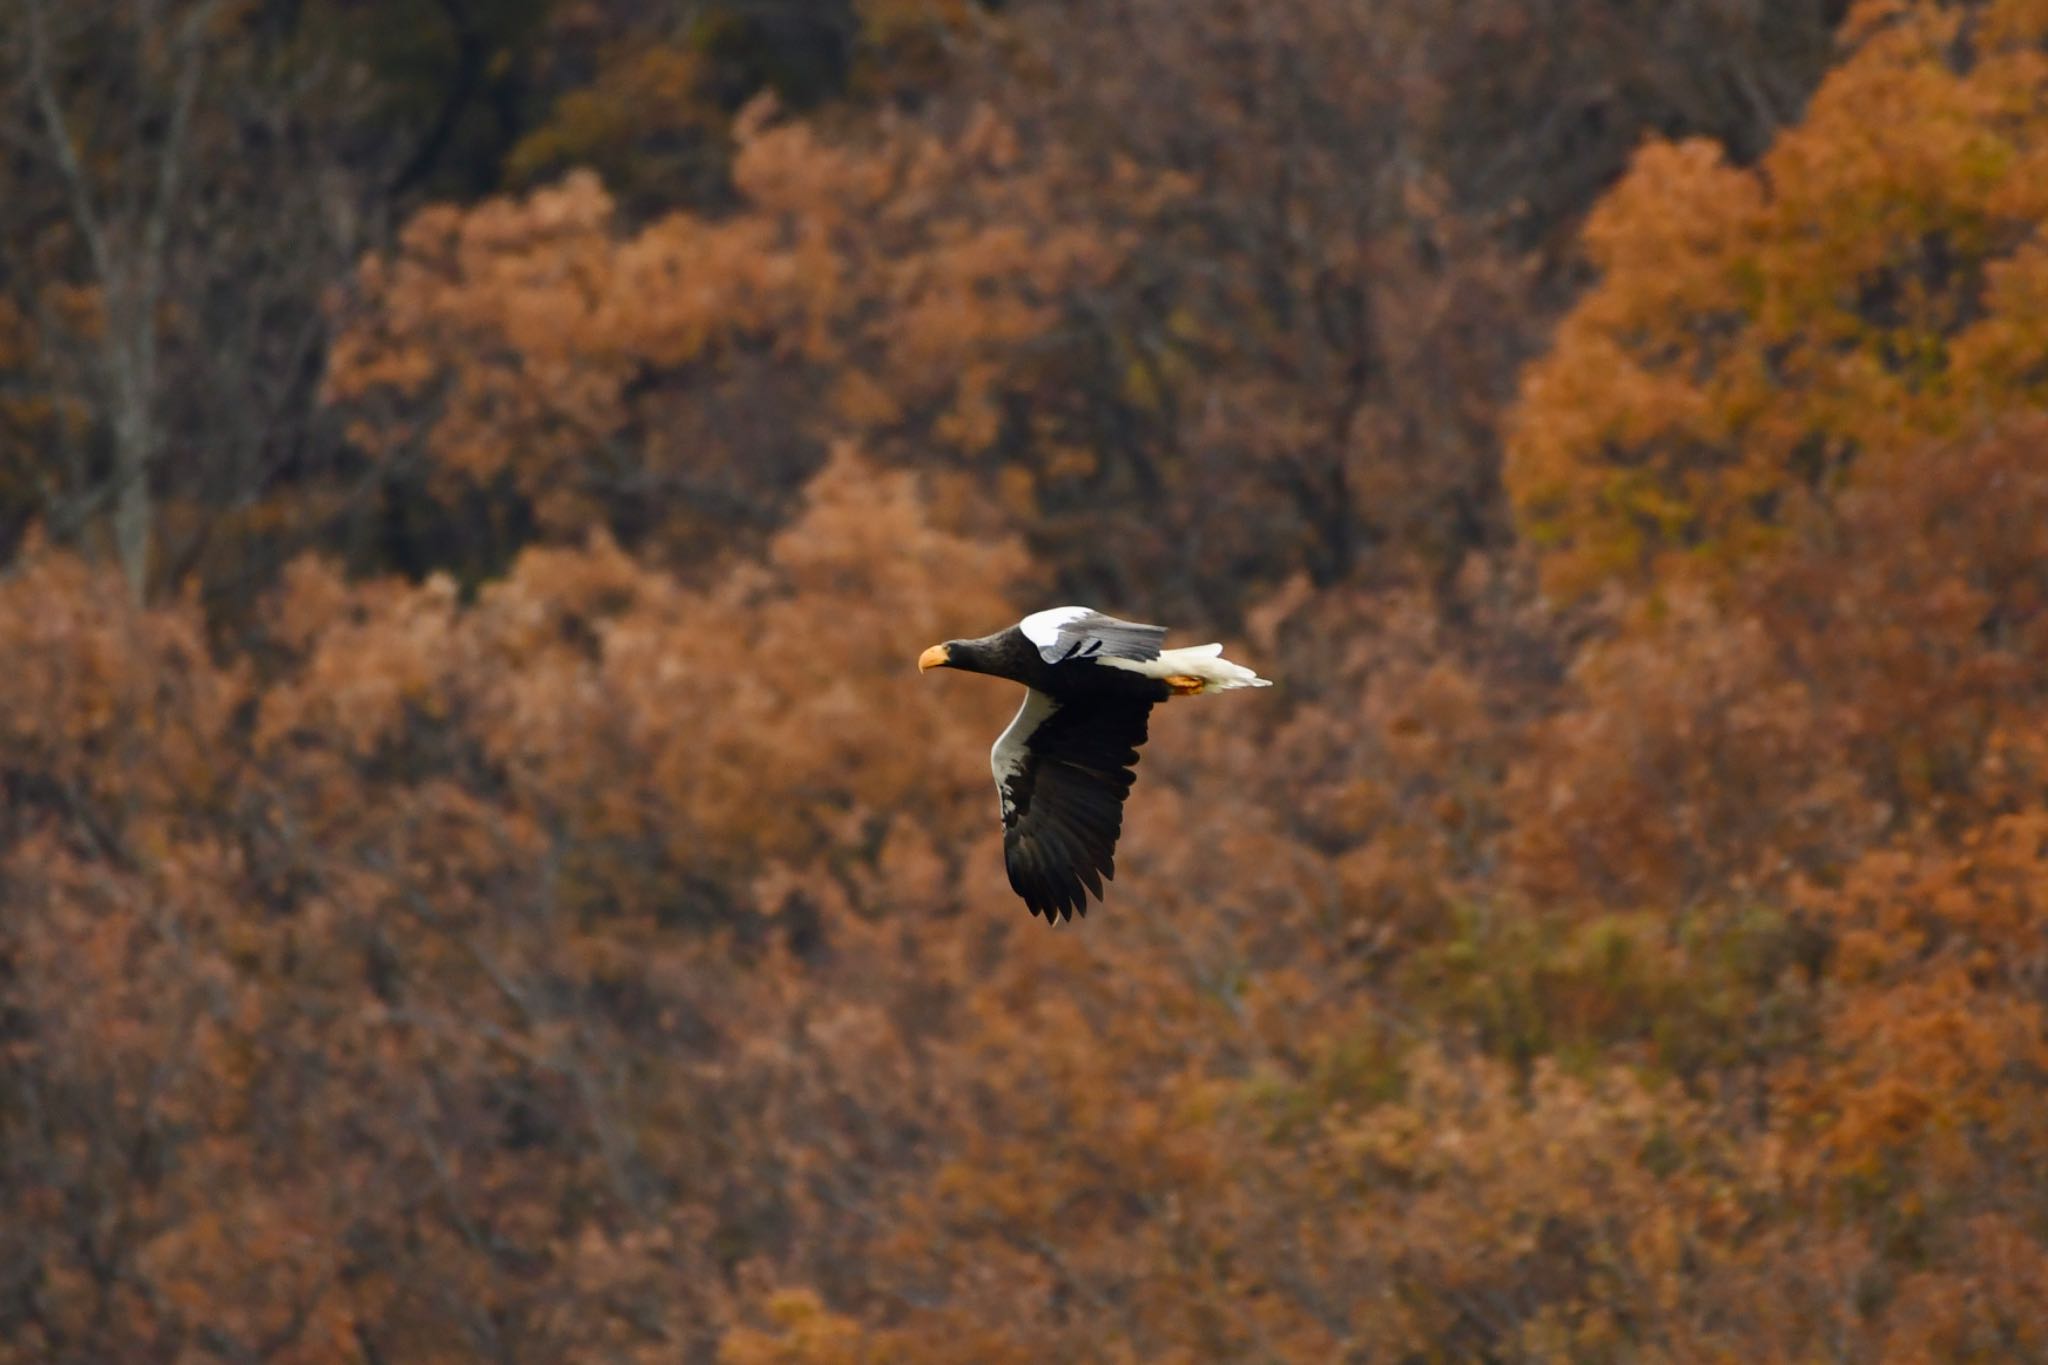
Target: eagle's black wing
[{"x": 1063, "y": 769}]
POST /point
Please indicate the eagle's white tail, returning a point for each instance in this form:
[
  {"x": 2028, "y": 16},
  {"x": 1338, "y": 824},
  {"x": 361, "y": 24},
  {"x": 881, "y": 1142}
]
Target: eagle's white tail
[{"x": 1205, "y": 662}]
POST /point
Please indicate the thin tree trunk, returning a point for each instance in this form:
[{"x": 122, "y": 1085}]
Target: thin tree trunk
[
  {"x": 129, "y": 253},
  {"x": 134, "y": 453}
]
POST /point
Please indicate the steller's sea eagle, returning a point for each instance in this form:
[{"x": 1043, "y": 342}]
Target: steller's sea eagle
[{"x": 1063, "y": 767}]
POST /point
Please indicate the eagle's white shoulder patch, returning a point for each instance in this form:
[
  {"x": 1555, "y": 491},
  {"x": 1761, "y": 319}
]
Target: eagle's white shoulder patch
[{"x": 1042, "y": 628}]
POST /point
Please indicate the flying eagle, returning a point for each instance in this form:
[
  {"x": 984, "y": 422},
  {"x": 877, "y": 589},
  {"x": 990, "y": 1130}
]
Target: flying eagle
[{"x": 1063, "y": 768}]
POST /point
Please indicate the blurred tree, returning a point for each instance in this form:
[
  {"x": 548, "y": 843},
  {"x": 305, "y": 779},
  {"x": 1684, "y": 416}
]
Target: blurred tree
[
  {"x": 182, "y": 201},
  {"x": 1539, "y": 103},
  {"x": 1793, "y": 439},
  {"x": 1277, "y": 356},
  {"x": 1756, "y": 332},
  {"x": 676, "y": 384},
  {"x": 122, "y": 200}
]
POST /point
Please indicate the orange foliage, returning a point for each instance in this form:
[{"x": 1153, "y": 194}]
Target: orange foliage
[
  {"x": 882, "y": 281},
  {"x": 1874, "y": 281},
  {"x": 1792, "y": 434},
  {"x": 595, "y": 949}
]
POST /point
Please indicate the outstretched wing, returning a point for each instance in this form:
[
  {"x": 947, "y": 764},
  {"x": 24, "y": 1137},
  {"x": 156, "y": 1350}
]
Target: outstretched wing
[
  {"x": 1082, "y": 633},
  {"x": 1062, "y": 770}
]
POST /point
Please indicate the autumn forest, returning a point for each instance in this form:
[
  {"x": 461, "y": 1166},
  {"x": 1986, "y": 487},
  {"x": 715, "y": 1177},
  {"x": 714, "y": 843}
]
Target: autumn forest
[{"x": 481, "y": 875}]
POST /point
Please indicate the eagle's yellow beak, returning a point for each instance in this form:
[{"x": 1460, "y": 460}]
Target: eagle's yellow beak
[{"x": 935, "y": 657}]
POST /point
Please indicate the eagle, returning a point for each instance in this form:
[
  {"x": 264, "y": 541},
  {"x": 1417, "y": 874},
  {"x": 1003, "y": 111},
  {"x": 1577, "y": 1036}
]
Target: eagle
[{"x": 1063, "y": 768}]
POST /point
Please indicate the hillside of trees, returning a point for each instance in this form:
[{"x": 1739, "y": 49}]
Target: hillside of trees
[{"x": 481, "y": 877}]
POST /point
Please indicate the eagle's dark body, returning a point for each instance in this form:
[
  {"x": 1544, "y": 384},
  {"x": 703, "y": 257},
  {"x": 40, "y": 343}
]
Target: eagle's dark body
[{"x": 1010, "y": 654}]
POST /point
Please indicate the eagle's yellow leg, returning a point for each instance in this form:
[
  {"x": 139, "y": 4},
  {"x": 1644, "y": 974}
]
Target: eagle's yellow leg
[{"x": 1183, "y": 685}]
